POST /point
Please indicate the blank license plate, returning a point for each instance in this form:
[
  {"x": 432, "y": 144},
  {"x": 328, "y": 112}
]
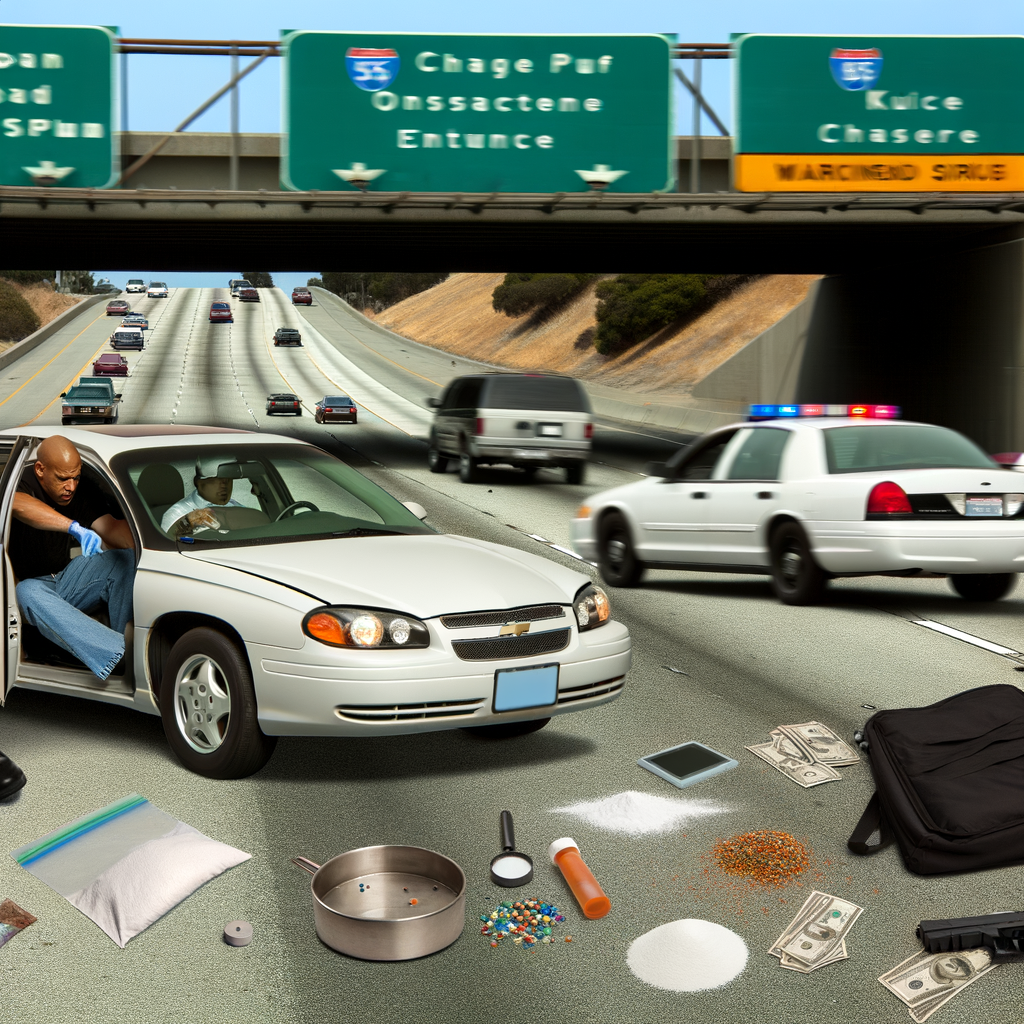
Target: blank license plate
[
  {"x": 549, "y": 429},
  {"x": 984, "y": 506},
  {"x": 518, "y": 688}
]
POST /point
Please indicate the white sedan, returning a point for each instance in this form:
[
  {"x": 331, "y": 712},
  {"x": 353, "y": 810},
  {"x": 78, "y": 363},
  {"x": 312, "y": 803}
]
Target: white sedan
[
  {"x": 317, "y": 605},
  {"x": 808, "y": 499}
]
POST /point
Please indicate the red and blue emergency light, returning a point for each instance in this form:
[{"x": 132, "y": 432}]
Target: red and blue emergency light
[{"x": 867, "y": 412}]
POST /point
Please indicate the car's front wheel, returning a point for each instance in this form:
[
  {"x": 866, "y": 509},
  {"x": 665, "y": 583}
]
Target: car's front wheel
[
  {"x": 983, "y": 586},
  {"x": 616, "y": 558},
  {"x": 208, "y": 707},
  {"x": 796, "y": 577},
  {"x": 507, "y": 730}
]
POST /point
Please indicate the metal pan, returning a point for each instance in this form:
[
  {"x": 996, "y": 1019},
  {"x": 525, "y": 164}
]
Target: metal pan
[{"x": 387, "y": 902}]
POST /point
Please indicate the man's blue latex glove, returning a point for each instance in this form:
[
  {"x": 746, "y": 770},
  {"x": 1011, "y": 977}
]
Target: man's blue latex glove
[{"x": 89, "y": 540}]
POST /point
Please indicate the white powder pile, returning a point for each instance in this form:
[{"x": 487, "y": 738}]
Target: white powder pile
[
  {"x": 638, "y": 814},
  {"x": 687, "y": 956}
]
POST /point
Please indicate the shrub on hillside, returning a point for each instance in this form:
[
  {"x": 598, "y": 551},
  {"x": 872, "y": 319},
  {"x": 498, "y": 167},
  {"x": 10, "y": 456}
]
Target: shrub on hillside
[
  {"x": 539, "y": 293},
  {"x": 632, "y": 307},
  {"x": 379, "y": 290},
  {"x": 258, "y": 278},
  {"x": 315, "y": 282},
  {"x": 29, "y": 276},
  {"x": 17, "y": 319}
]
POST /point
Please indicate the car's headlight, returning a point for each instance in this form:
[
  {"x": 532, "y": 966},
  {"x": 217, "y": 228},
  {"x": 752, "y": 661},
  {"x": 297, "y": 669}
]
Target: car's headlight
[
  {"x": 591, "y": 607},
  {"x": 365, "y": 629}
]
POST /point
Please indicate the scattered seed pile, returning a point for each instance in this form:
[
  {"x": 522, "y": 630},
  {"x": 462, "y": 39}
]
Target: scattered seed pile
[
  {"x": 525, "y": 922},
  {"x": 765, "y": 857}
]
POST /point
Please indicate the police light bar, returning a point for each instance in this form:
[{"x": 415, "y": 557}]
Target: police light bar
[{"x": 866, "y": 412}]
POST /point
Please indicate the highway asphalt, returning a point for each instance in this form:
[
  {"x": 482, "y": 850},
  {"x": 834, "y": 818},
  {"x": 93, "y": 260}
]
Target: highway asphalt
[{"x": 743, "y": 662}]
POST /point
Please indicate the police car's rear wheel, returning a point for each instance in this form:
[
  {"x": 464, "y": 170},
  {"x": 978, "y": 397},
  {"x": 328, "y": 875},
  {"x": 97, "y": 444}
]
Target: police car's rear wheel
[
  {"x": 796, "y": 577},
  {"x": 983, "y": 586}
]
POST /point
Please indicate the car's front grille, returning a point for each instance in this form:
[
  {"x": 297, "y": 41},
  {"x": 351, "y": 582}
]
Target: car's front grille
[
  {"x": 530, "y": 613},
  {"x": 589, "y": 690},
  {"x": 526, "y": 646},
  {"x": 408, "y": 712}
]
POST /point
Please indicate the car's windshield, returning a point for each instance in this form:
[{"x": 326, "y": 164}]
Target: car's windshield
[
  {"x": 257, "y": 494},
  {"x": 911, "y": 446}
]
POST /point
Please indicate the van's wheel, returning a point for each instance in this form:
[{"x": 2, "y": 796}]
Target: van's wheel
[
  {"x": 208, "y": 707},
  {"x": 506, "y": 730},
  {"x": 796, "y": 577},
  {"x": 616, "y": 557},
  {"x": 983, "y": 586},
  {"x": 576, "y": 472},
  {"x": 468, "y": 472},
  {"x": 437, "y": 462}
]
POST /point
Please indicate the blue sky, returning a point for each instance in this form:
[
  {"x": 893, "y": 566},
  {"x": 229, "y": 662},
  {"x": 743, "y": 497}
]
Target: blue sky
[{"x": 162, "y": 90}]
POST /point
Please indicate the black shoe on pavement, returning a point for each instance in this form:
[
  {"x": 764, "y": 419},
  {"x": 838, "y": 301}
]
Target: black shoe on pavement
[{"x": 12, "y": 778}]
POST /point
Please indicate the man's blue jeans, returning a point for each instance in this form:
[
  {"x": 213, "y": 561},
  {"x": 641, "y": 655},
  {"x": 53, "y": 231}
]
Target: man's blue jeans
[{"x": 56, "y": 606}]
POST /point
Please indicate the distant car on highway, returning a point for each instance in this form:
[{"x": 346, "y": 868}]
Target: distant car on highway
[
  {"x": 287, "y": 336},
  {"x": 111, "y": 364},
  {"x": 248, "y": 295},
  {"x": 524, "y": 420},
  {"x": 284, "y": 402},
  {"x": 302, "y": 297},
  {"x": 136, "y": 320},
  {"x": 805, "y": 497},
  {"x": 220, "y": 312},
  {"x": 335, "y": 409},
  {"x": 118, "y": 307},
  {"x": 236, "y": 283},
  {"x": 104, "y": 287},
  {"x": 127, "y": 337},
  {"x": 156, "y": 290},
  {"x": 135, "y": 285},
  {"x": 321, "y": 607}
]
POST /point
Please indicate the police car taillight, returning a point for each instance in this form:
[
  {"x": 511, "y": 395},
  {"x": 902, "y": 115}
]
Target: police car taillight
[
  {"x": 888, "y": 498},
  {"x": 870, "y": 412}
]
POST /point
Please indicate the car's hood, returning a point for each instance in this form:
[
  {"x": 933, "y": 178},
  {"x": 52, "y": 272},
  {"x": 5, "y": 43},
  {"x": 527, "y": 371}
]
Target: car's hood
[{"x": 424, "y": 575}]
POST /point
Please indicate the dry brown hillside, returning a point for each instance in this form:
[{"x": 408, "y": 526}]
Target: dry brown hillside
[{"x": 456, "y": 316}]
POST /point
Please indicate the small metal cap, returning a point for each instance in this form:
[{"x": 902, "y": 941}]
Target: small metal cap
[{"x": 238, "y": 933}]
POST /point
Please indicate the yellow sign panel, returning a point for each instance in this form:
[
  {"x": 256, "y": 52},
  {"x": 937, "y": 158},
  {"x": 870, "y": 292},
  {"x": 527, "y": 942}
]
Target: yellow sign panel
[{"x": 787, "y": 172}]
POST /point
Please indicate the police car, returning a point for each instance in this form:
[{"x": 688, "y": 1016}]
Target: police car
[{"x": 812, "y": 492}]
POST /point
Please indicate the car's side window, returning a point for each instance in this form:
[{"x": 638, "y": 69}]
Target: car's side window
[
  {"x": 700, "y": 465},
  {"x": 451, "y": 396},
  {"x": 759, "y": 455}
]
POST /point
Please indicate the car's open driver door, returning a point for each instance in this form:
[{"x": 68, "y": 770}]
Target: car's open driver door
[{"x": 12, "y": 452}]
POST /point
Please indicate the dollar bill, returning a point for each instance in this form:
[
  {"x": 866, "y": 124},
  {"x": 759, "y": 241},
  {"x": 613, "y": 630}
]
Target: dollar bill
[
  {"x": 820, "y": 930},
  {"x": 787, "y": 962},
  {"x": 926, "y": 981},
  {"x": 786, "y": 756},
  {"x": 823, "y": 745},
  {"x": 814, "y": 903}
]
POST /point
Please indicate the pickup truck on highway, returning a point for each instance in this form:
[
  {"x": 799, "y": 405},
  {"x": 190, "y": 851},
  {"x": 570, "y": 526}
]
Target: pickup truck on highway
[{"x": 91, "y": 400}]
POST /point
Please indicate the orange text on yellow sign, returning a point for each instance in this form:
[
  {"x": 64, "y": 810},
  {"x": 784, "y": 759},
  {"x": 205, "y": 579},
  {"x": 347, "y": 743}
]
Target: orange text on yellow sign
[{"x": 773, "y": 172}]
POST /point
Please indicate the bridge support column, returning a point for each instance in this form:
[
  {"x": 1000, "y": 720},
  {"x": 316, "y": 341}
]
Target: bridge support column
[{"x": 943, "y": 339}]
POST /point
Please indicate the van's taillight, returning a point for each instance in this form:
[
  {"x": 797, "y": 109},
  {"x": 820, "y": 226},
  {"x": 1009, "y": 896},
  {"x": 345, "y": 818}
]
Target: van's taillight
[
  {"x": 479, "y": 428},
  {"x": 588, "y": 431},
  {"x": 888, "y": 498}
]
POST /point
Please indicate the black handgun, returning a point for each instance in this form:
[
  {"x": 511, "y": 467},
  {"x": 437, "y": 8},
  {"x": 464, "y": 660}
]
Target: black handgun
[{"x": 1003, "y": 934}]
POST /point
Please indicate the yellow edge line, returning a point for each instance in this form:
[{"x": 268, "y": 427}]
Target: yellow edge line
[{"x": 41, "y": 368}]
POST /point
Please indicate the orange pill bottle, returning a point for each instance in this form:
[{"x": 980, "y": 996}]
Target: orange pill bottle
[{"x": 565, "y": 855}]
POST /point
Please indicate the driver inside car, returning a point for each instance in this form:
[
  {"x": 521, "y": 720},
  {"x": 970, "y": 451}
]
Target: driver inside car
[{"x": 193, "y": 511}]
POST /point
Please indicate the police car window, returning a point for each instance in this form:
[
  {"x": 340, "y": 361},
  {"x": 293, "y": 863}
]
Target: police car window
[
  {"x": 759, "y": 455},
  {"x": 866, "y": 448},
  {"x": 701, "y": 464}
]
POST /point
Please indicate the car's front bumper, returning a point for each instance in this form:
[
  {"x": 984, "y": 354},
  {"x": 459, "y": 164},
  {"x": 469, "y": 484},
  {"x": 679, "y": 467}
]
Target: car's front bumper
[
  {"x": 582, "y": 539},
  {"x": 321, "y": 691}
]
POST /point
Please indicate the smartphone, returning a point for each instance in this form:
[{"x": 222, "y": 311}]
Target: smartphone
[{"x": 686, "y": 764}]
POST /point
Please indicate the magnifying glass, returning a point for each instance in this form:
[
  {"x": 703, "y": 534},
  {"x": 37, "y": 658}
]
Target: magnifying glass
[{"x": 510, "y": 868}]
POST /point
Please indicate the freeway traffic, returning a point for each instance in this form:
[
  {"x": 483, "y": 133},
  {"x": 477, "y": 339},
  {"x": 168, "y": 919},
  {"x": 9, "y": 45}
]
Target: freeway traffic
[{"x": 716, "y": 659}]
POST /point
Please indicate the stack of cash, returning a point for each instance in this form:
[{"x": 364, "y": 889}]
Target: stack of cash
[
  {"x": 816, "y": 937},
  {"x": 806, "y": 753},
  {"x": 926, "y": 981}
]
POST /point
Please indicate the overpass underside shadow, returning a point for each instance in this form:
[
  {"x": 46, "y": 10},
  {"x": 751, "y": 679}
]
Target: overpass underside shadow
[{"x": 941, "y": 336}]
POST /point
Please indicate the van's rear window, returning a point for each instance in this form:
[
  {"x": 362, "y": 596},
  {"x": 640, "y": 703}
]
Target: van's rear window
[{"x": 537, "y": 393}]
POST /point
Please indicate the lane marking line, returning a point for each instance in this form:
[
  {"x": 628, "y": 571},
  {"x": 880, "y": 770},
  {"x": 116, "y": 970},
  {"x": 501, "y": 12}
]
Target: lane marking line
[{"x": 970, "y": 638}]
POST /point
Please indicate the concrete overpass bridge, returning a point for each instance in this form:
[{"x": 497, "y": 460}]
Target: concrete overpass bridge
[{"x": 923, "y": 308}]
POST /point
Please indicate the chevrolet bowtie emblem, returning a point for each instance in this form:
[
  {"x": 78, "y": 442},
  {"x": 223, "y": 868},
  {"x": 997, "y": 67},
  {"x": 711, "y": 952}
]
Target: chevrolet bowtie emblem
[{"x": 514, "y": 628}]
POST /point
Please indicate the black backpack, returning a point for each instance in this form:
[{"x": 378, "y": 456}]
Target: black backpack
[{"x": 949, "y": 783}]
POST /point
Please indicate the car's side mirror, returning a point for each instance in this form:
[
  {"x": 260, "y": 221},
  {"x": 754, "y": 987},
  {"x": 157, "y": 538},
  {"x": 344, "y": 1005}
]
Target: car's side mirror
[
  {"x": 63, "y": 394},
  {"x": 118, "y": 397},
  {"x": 658, "y": 469},
  {"x": 433, "y": 403},
  {"x": 416, "y": 509}
]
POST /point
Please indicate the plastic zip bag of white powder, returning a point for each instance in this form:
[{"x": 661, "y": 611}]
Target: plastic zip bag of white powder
[{"x": 638, "y": 814}]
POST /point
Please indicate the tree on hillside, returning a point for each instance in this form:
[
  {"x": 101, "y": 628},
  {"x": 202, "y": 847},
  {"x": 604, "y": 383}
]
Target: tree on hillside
[
  {"x": 17, "y": 318},
  {"x": 258, "y": 278},
  {"x": 378, "y": 290},
  {"x": 540, "y": 293}
]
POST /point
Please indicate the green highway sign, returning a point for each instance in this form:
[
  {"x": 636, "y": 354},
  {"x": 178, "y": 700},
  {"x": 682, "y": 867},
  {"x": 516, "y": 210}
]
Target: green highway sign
[
  {"x": 476, "y": 113},
  {"x": 56, "y": 106}
]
